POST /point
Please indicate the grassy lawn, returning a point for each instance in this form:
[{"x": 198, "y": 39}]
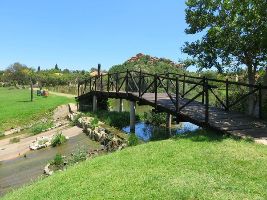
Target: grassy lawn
[
  {"x": 17, "y": 109},
  {"x": 196, "y": 166}
]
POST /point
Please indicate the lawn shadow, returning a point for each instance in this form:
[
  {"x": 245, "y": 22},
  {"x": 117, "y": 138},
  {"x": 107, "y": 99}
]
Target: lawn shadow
[
  {"x": 203, "y": 135},
  {"x": 23, "y": 101}
]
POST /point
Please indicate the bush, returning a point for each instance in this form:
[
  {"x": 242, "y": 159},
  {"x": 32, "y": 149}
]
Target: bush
[
  {"x": 58, "y": 139},
  {"x": 58, "y": 160},
  {"x": 75, "y": 120},
  {"x": 133, "y": 140},
  {"x": 78, "y": 156},
  {"x": 113, "y": 118},
  {"x": 40, "y": 127},
  {"x": 14, "y": 140},
  {"x": 94, "y": 123},
  {"x": 153, "y": 118}
]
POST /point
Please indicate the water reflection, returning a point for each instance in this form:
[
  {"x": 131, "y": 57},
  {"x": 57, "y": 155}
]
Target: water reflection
[{"x": 148, "y": 132}]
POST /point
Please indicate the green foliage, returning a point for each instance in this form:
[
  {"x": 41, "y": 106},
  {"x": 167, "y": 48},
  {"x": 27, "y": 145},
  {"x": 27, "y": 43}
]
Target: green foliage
[
  {"x": 75, "y": 121},
  {"x": 58, "y": 160},
  {"x": 233, "y": 34},
  {"x": 14, "y": 140},
  {"x": 17, "y": 74},
  {"x": 113, "y": 118},
  {"x": 78, "y": 156},
  {"x": 149, "y": 64},
  {"x": 39, "y": 127},
  {"x": 156, "y": 119},
  {"x": 197, "y": 166},
  {"x": 58, "y": 140},
  {"x": 94, "y": 123},
  {"x": 133, "y": 140}
]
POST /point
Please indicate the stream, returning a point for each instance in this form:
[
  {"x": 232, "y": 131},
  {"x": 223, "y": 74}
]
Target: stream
[
  {"x": 19, "y": 171},
  {"x": 148, "y": 132}
]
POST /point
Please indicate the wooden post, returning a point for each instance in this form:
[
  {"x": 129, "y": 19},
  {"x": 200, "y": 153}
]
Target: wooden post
[
  {"x": 121, "y": 105},
  {"x": 177, "y": 96},
  {"x": 78, "y": 92},
  {"x": 260, "y": 101},
  {"x": 95, "y": 83},
  {"x": 31, "y": 90},
  {"x": 227, "y": 94},
  {"x": 168, "y": 82},
  {"x": 140, "y": 83},
  {"x": 127, "y": 82},
  {"x": 132, "y": 116},
  {"x": 184, "y": 85},
  {"x": 108, "y": 86},
  {"x": 90, "y": 84},
  {"x": 117, "y": 82},
  {"x": 98, "y": 69},
  {"x": 94, "y": 103},
  {"x": 207, "y": 102},
  {"x": 101, "y": 82},
  {"x": 156, "y": 90},
  {"x": 203, "y": 94}
]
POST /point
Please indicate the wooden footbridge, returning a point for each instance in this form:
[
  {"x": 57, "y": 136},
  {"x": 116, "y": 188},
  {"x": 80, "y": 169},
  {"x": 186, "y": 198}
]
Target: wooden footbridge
[{"x": 206, "y": 102}]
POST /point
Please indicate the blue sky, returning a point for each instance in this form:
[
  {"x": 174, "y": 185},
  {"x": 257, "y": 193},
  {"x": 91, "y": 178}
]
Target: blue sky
[{"x": 82, "y": 33}]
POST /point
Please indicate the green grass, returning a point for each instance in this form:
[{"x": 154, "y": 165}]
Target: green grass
[
  {"x": 39, "y": 127},
  {"x": 196, "y": 166},
  {"x": 16, "y": 108}
]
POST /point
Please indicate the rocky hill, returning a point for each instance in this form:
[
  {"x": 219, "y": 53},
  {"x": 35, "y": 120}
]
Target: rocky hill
[{"x": 148, "y": 63}]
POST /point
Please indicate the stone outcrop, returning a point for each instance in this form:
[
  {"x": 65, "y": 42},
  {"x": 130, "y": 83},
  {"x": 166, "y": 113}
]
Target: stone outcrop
[
  {"x": 110, "y": 141},
  {"x": 42, "y": 142}
]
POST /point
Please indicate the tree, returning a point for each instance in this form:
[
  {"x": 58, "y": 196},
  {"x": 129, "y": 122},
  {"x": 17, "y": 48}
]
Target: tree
[
  {"x": 56, "y": 67},
  {"x": 234, "y": 35},
  {"x": 18, "y": 73}
]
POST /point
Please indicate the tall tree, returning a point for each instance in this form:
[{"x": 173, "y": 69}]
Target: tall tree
[
  {"x": 234, "y": 34},
  {"x": 56, "y": 67}
]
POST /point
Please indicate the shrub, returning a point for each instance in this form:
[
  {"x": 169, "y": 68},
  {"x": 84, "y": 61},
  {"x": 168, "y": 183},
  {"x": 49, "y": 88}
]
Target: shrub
[
  {"x": 58, "y": 139},
  {"x": 39, "y": 127},
  {"x": 94, "y": 123},
  {"x": 155, "y": 118},
  {"x": 14, "y": 140},
  {"x": 113, "y": 118},
  {"x": 78, "y": 156},
  {"x": 58, "y": 160},
  {"x": 75, "y": 120},
  {"x": 133, "y": 140}
]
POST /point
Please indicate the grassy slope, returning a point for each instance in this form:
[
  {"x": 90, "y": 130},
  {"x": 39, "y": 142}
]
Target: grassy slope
[
  {"x": 187, "y": 168},
  {"x": 16, "y": 109}
]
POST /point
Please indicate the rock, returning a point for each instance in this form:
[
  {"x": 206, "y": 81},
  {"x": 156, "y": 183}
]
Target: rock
[
  {"x": 72, "y": 107},
  {"x": 47, "y": 171}
]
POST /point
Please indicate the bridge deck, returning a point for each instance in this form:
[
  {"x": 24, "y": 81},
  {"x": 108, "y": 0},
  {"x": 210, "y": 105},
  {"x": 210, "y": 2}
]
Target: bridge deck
[{"x": 229, "y": 122}]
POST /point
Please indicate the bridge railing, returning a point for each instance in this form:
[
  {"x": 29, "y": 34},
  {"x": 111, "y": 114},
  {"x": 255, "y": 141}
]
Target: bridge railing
[{"x": 178, "y": 87}]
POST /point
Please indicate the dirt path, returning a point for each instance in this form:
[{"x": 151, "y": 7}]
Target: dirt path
[
  {"x": 63, "y": 94},
  {"x": 9, "y": 151}
]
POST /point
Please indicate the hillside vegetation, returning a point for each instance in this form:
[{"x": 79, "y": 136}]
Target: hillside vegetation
[
  {"x": 148, "y": 64},
  {"x": 197, "y": 166}
]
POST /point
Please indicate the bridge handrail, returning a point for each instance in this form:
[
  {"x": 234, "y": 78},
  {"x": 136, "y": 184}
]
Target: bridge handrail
[{"x": 155, "y": 81}]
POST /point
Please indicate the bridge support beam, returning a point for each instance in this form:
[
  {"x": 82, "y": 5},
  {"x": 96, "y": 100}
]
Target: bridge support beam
[
  {"x": 94, "y": 103},
  {"x": 168, "y": 123},
  {"x": 132, "y": 116},
  {"x": 121, "y": 105}
]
